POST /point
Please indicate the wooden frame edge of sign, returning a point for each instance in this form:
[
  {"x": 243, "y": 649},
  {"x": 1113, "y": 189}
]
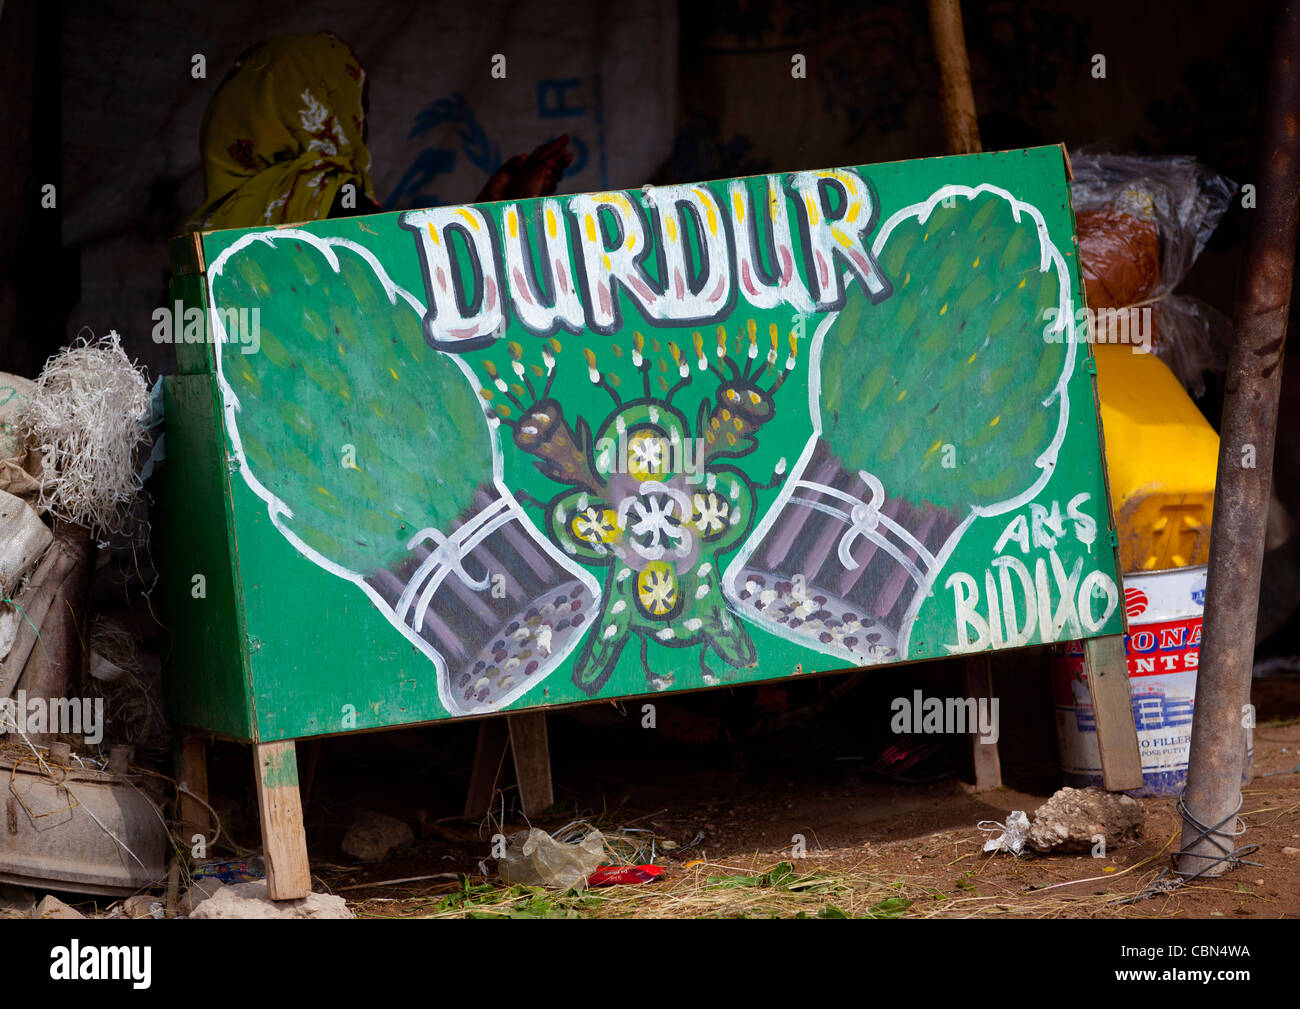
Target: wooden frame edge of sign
[{"x": 1107, "y": 674}]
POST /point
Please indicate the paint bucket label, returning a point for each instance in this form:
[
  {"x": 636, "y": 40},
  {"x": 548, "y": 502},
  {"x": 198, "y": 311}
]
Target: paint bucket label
[{"x": 1163, "y": 650}]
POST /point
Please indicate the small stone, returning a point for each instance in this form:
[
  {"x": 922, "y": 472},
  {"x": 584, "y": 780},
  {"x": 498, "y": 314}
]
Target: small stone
[
  {"x": 51, "y": 907},
  {"x": 200, "y": 891},
  {"x": 249, "y": 900},
  {"x": 373, "y": 835},
  {"x": 1291, "y": 851},
  {"x": 142, "y": 905},
  {"x": 1073, "y": 817}
]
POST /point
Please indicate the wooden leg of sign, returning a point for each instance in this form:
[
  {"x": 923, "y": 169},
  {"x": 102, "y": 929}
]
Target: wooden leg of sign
[
  {"x": 489, "y": 763},
  {"x": 532, "y": 760},
  {"x": 1112, "y": 705},
  {"x": 284, "y": 841},
  {"x": 193, "y": 773},
  {"x": 986, "y": 766}
]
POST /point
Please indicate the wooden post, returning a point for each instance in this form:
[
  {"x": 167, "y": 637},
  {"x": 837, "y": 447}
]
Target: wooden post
[
  {"x": 956, "y": 98},
  {"x": 1106, "y": 668},
  {"x": 284, "y": 841},
  {"x": 485, "y": 775},
  {"x": 1107, "y": 665},
  {"x": 1253, "y": 385},
  {"x": 193, "y": 773},
  {"x": 986, "y": 766},
  {"x": 962, "y": 136},
  {"x": 532, "y": 760}
]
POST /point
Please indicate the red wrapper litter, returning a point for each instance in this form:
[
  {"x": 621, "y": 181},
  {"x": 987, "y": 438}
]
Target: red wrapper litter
[{"x": 619, "y": 875}]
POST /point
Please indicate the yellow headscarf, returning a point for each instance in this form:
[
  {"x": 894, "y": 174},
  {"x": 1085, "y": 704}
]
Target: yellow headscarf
[{"x": 284, "y": 133}]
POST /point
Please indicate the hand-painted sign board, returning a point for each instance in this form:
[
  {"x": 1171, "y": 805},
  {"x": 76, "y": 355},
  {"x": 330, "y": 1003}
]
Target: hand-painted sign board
[{"x": 455, "y": 461}]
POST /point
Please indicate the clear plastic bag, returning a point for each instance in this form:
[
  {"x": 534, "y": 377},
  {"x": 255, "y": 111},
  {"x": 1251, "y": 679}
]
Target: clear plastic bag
[
  {"x": 534, "y": 858},
  {"x": 1142, "y": 222}
]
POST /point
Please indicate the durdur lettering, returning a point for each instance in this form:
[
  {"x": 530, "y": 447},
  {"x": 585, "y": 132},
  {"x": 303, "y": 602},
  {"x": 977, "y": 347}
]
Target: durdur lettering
[{"x": 681, "y": 253}]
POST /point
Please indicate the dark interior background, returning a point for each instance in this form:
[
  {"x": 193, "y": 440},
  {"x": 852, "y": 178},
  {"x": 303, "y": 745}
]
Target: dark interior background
[{"x": 99, "y": 101}]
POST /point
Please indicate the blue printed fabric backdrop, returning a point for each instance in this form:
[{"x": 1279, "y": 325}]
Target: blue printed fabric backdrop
[{"x": 440, "y": 121}]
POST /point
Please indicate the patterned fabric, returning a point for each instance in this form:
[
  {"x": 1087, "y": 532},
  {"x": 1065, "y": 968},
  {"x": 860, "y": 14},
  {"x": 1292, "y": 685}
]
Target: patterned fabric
[{"x": 284, "y": 133}]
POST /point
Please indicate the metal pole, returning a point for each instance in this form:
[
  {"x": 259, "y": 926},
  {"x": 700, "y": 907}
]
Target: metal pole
[{"x": 1241, "y": 494}]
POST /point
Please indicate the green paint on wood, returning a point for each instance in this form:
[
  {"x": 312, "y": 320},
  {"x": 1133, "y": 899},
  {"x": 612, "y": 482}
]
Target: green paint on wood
[
  {"x": 206, "y": 687},
  {"x": 280, "y": 769},
  {"x": 527, "y": 454},
  {"x": 184, "y": 324}
]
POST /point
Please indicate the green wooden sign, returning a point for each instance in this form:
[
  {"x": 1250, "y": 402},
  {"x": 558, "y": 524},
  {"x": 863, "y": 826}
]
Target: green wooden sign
[{"x": 468, "y": 459}]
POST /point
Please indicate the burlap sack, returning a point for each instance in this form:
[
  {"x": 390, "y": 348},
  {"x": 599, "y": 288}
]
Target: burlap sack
[{"x": 20, "y": 466}]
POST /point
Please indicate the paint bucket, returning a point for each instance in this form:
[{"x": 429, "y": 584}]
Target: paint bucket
[
  {"x": 1163, "y": 649},
  {"x": 493, "y": 599},
  {"x": 840, "y": 565}
]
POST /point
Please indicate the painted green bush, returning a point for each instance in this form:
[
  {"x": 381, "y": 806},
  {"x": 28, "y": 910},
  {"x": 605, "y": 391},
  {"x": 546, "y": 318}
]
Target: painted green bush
[
  {"x": 937, "y": 363},
  {"x": 345, "y": 413}
]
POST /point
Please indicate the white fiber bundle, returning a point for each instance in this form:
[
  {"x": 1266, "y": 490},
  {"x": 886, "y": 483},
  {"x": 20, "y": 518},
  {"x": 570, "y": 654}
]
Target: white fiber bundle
[{"x": 84, "y": 416}]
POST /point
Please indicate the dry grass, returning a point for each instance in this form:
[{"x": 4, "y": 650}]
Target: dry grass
[
  {"x": 701, "y": 890},
  {"x": 956, "y": 883}
]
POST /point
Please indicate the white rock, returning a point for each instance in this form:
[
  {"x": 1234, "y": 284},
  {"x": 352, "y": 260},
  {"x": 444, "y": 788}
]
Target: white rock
[
  {"x": 198, "y": 892},
  {"x": 1073, "y": 817},
  {"x": 249, "y": 900},
  {"x": 52, "y": 907}
]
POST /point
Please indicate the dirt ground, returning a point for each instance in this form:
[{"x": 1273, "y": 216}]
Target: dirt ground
[
  {"x": 725, "y": 819},
  {"x": 726, "y": 783}
]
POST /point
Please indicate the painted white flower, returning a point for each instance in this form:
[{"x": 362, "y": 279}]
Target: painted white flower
[
  {"x": 657, "y": 519},
  {"x": 273, "y": 205},
  {"x": 647, "y": 453},
  {"x": 712, "y": 511},
  {"x": 593, "y": 526},
  {"x": 658, "y": 591}
]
